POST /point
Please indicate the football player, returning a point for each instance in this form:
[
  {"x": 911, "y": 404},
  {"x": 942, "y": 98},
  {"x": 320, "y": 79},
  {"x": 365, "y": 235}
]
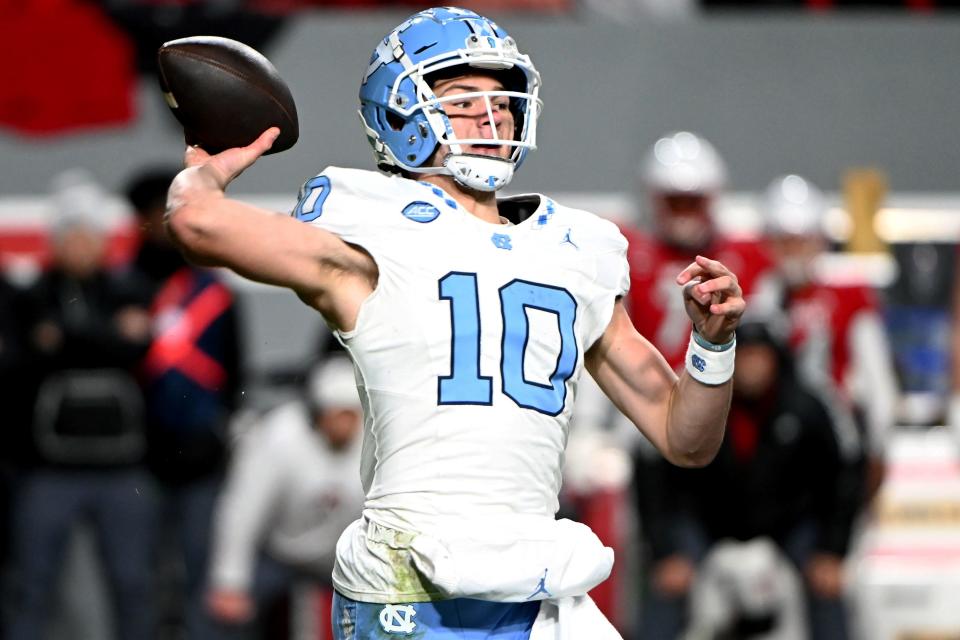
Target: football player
[
  {"x": 470, "y": 320},
  {"x": 836, "y": 330},
  {"x": 680, "y": 180}
]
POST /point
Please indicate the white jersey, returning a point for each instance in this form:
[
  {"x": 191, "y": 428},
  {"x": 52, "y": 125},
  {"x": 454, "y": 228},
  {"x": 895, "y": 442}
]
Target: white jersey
[
  {"x": 468, "y": 355},
  {"x": 286, "y": 489}
]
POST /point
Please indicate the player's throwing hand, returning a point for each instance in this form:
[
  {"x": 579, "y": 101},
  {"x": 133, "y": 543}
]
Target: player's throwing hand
[
  {"x": 713, "y": 299},
  {"x": 207, "y": 174},
  {"x": 227, "y": 165}
]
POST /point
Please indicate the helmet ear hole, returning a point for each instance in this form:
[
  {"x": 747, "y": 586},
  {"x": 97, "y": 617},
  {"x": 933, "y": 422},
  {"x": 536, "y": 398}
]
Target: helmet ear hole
[{"x": 394, "y": 121}]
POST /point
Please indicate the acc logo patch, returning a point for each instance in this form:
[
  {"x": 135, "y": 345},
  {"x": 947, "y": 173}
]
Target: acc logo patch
[
  {"x": 398, "y": 618},
  {"x": 421, "y": 212}
]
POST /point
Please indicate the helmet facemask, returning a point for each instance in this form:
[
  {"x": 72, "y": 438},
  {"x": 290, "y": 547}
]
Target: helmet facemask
[{"x": 480, "y": 171}]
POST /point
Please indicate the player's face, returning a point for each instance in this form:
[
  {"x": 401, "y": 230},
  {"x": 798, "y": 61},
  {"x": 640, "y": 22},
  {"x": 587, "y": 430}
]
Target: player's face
[
  {"x": 755, "y": 370},
  {"x": 796, "y": 255},
  {"x": 683, "y": 219},
  {"x": 339, "y": 425},
  {"x": 79, "y": 251},
  {"x": 470, "y": 117}
]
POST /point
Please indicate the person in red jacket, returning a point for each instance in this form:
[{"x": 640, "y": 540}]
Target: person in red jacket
[
  {"x": 780, "y": 475},
  {"x": 836, "y": 329},
  {"x": 191, "y": 375},
  {"x": 682, "y": 175}
]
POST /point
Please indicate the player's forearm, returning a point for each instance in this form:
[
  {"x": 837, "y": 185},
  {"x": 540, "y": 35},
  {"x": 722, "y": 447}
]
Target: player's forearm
[
  {"x": 195, "y": 209},
  {"x": 696, "y": 421},
  {"x": 215, "y": 231},
  {"x": 206, "y": 225}
]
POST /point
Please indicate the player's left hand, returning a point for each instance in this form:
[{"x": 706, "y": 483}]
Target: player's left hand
[{"x": 713, "y": 299}]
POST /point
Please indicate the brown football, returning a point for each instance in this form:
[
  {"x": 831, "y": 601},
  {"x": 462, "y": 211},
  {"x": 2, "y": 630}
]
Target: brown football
[{"x": 225, "y": 93}]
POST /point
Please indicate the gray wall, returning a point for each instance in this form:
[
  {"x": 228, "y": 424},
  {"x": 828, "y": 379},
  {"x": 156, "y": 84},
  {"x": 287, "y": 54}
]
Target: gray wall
[{"x": 774, "y": 94}]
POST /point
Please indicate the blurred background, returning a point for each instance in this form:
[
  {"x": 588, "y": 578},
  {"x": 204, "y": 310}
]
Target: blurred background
[{"x": 132, "y": 381}]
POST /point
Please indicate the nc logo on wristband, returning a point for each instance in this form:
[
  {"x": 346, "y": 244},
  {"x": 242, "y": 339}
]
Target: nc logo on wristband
[{"x": 698, "y": 363}]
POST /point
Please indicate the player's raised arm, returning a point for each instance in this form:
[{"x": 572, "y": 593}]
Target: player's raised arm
[
  {"x": 214, "y": 230},
  {"x": 683, "y": 417}
]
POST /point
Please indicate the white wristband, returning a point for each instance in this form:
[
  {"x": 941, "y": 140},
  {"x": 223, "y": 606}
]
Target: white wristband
[{"x": 711, "y": 365}]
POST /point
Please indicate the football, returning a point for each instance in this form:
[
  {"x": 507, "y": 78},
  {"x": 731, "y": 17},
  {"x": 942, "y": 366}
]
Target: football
[{"x": 225, "y": 93}]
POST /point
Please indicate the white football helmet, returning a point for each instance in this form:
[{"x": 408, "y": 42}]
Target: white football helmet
[
  {"x": 683, "y": 162},
  {"x": 333, "y": 385},
  {"x": 793, "y": 206},
  {"x": 681, "y": 175}
]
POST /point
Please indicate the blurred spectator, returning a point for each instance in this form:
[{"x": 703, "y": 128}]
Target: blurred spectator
[
  {"x": 680, "y": 180},
  {"x": 836, "y": 331},
  {"x": 14, "y": 398},
  {"x": 747, "y": 589},
  {"x": 953, "y": 406},
  {"x": 475, "y": 5},
  {"x": 780, "y": 474},
  {"x": 682, "y": 177},
  {"x": 87, "y": 330},
  {"x": 191, "y": 376},
  {"x": 921, "y": 6},
  {"x": 12, "y": 358},
  {"x": 634, "y": 11},
  {"x": 293, "y": 487}
]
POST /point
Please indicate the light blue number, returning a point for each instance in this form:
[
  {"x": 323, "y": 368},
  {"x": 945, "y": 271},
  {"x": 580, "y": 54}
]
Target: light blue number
[
  {"x": 465, "y": 385},
  {"x": 515, "y": 298},
  {"x": 315, "y": 193}
]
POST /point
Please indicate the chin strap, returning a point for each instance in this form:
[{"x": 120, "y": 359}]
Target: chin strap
[{"x": 480, "y": 173}]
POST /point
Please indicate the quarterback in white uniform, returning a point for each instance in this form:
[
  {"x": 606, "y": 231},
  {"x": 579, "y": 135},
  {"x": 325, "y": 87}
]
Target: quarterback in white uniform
[{"x": 470, "y": 321}]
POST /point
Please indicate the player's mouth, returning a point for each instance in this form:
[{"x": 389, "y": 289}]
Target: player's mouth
[{"x": 496, "y": 150}]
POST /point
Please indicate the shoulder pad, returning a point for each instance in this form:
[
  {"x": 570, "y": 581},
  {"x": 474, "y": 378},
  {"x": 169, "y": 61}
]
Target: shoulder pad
[
  {"x": 602, "y": 238},
  {"x": 360, "y": 206},
  {"x": 602, "y": 234}
]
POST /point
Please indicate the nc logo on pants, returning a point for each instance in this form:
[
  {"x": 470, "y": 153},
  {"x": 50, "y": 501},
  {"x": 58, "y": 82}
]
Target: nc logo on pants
[{"x": 398, "y": 618}]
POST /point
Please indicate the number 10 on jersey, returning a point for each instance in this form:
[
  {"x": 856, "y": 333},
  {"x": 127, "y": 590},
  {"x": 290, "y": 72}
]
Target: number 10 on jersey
[{"x": 466, "y": 384}]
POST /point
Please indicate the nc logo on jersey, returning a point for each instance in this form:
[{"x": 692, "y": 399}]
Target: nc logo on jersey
[
  {"x": 421, "y": 212},
  {"x": 698, "y": 363},
  {"x": 398, "y": 618},
  {"x": 501, "y": 241}
]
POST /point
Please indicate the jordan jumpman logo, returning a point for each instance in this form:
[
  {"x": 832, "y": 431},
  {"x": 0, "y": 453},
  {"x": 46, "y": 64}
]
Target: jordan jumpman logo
[{"x": 542, "y": 587}]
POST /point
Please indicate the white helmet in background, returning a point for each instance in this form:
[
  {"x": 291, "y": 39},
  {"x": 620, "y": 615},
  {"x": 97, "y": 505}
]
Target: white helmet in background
[
  {"x": 333, "y": 385},
  {"x": 682, "y": 174},
  {"x": 683, "y": 162},
  {"x": 793, "y": 206}
]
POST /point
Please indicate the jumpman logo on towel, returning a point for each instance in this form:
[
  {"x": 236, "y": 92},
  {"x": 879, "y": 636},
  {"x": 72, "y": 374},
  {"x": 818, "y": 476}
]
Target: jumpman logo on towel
[{"x": 542, "y": 587}]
